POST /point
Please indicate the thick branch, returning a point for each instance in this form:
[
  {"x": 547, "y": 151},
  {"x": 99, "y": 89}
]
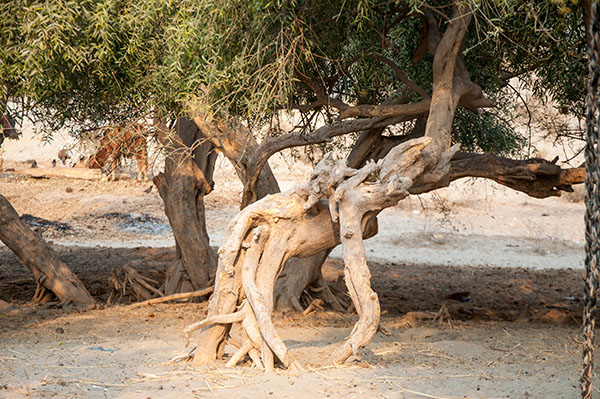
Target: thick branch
[
  {"x": 324, "y": 134},
  {"x": 387, "y": 110},
  {"x": 446, "y": 95},
  {"x": 536, "y": 177},
  {"x": 473, "y": 101},
  {"x": 239, "y": 145}
]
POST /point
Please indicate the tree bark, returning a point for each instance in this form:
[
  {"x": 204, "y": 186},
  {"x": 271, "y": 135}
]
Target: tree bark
[
  {"x": 537, "y": 177},
  {"x": 187, "y": 178},
  {"x": 48, "y": 269},
  {"x": 239, "y": 145},
  {"x": 301, "y": 223}
]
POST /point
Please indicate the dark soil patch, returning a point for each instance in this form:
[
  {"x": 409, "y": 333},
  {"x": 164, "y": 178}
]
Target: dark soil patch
[
  {"x": 476, "y": 293},
  {"x": 42, "y": 225},
  {"x": 143, "y": 224},
  {"x": 470, "y": 293}
]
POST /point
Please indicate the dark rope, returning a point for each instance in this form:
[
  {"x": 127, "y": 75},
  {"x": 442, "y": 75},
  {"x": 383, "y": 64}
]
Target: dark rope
[{"x": 592, "y": 198}]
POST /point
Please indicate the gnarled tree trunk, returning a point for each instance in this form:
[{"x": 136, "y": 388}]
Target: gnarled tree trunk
[
  {"x": 238, "y": 144},
  {"x": 187, "y": 178},
  {"x": 48, "y": 269},
  {"x": 302, "y": 223}
]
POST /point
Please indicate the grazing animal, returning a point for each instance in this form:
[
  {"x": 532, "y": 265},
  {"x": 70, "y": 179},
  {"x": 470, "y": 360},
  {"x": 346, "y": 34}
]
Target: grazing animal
[
  {"x": 64, "y": 154},
  {"x": 119, "y": 142},
  {"x": 8, "y": 131}
]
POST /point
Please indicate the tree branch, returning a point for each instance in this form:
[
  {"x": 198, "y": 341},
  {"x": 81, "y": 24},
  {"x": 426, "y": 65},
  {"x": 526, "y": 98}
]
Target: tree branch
[
  {"x": 401, "y": 75},
  {"x": 446, "y": 94},
  {"x": 322, "y": 98},
  {"x": 324, "y": 134},
  {"x": 535, "y": 177},
  {"x": 387, "y": 110}
]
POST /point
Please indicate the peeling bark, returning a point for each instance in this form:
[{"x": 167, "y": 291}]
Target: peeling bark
[
  {"x": 250, "y": 162},
  {"x": 336, "y": 206}
]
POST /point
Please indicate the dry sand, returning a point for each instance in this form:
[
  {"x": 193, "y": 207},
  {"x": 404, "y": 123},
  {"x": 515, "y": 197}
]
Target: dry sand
[{"x": 520, "y": 258}]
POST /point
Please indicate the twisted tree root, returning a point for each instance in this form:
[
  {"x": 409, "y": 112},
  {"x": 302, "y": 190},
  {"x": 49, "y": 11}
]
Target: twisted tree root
[{"x": 336, "y": 206}]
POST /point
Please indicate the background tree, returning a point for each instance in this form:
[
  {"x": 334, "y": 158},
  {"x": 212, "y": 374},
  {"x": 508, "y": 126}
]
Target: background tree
[{"x": 389, "y": 71}]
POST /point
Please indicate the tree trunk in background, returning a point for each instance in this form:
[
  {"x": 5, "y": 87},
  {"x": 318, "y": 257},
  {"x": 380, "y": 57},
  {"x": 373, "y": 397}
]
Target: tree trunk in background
[
  {"x": 187, "y": 178},
  {"x": 237, "y": 143},
  {"x": 48, "y": 269}
]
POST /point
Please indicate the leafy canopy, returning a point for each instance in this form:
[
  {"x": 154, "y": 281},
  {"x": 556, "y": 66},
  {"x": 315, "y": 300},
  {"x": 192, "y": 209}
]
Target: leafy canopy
[{"x": 83, "y": 63}]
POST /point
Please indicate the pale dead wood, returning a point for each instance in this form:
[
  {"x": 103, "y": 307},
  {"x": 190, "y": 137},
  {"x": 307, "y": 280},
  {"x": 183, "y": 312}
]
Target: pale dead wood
[
  {"x": 216, "y": 319},
  {"x": 315, "y": 304},
  {"x": 123, "y": 277},
  {"x": 536, "y": 177},
  {"x": 174, "y": 297},
  {"x": 324, "y": 134},
  {"x": 72, "y": 173},
  {"x": 185, "y": 357},
  {"x": 242, "y": 351},
  {"x": 340, "y": 202}
]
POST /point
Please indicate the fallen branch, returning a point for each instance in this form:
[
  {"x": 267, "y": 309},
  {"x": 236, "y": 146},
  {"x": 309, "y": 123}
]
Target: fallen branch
[{"x": 183, "y": 295}]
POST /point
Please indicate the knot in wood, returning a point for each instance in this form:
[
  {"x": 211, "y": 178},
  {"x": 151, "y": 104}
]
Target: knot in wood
[{"x": 348, "y": 234}]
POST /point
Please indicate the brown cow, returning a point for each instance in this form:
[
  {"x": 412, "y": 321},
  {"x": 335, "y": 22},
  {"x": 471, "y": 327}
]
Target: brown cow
[
  {"x": 8, "y": 131},
  {"x": 120, "y": 142}
]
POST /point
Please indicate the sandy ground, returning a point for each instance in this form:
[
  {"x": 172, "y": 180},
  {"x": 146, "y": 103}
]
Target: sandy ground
[{"x": 507, "y": 267}]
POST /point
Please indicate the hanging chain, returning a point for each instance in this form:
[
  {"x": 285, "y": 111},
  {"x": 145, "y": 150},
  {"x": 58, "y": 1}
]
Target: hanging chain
[{"x": 592, "y": 197}]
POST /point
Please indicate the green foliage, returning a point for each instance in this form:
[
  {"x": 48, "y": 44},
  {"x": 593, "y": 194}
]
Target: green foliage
[
  {"x": 83, "y": 63},
  {"x": 486, "y": 132}
]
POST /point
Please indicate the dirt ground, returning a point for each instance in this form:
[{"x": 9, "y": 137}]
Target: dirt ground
[{"x": 508, "y": 269}]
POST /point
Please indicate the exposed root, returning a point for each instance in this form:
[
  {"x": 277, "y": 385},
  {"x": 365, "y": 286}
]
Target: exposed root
[
  {"x": 319, "y": 291},
  {"x": 255, "y": 356},
  {"x": 260, "y": 303},
  {"x": 267, "y": 233},
  {"x": 241, "y": 352},
  {"x": 42, "y": 294},
  {"x": 267, "y": 358},
  {"x": 140, "y": 286},
  {"x": 234, "y": 342},
  {"x": 185, "y": 357},
  {"x": 247, "y": 348},
  {"x": 296, "y": 304},
  {"x": 216, "y": 319}
]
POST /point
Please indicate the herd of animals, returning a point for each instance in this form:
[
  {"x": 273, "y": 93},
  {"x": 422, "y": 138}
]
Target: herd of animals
[{"x": 111, "y": 146}]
